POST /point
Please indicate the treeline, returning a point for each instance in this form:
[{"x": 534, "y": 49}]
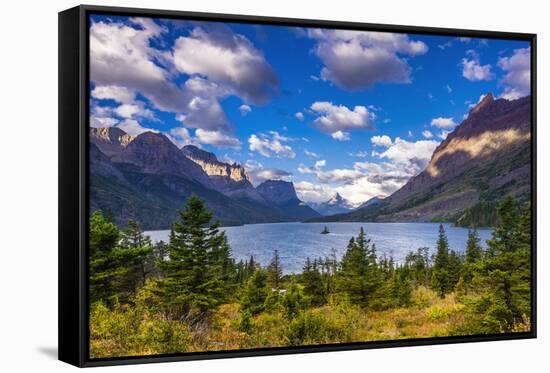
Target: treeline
[{"x": 179, "y": 286}]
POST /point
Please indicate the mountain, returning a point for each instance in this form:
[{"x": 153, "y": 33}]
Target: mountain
[
  {"x": 370, "y": 202},
  {"x": 336, "y": 205},
  {"x": 110, "y": 140},
  {"x": 283, "y": 195},
  {"x": 485, "y": 158},
  {"x": 148, "y": 178},
  {"x": 229, "y": 179}
]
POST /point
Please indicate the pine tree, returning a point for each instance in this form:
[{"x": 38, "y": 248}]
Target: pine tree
[
  {"x": 505, "y": 273},
  {"x": 313, "y": 282},
  {"x": 112, "y": 267},
  {"x": 440, "y": 274},
  {"x": 359, "y": 278},
  {"x": 132, "y": 238},
  {"x": 194, "y": 279},
  {"x": 275, "y": 272},
  {"x": 255, "y": 293},
  {"x": 474, "y": 254}
]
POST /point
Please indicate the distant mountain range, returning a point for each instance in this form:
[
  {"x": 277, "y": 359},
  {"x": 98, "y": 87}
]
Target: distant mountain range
[
  {"x": 485, "y": 158},
  {"x": 148, "y": 178},
  {"x": 335, "y": 205}
]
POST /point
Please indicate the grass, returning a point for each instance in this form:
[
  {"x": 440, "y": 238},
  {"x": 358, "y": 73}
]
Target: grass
[{"x": 127, "y": 331}]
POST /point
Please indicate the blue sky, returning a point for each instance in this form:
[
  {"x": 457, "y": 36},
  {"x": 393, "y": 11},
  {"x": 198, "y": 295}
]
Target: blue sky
[{"x": 357, "y": 113}]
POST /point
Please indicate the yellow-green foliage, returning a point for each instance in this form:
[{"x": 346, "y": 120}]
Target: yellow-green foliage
[{"x": 128, "y": 330}]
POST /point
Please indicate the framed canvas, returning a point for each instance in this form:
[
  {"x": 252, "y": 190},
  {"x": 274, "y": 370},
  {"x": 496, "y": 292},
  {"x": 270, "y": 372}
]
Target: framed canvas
[{"x": 235, "y": 186}]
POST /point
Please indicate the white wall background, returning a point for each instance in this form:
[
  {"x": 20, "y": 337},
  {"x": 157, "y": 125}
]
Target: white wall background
[{"x": 28, "y": 185}]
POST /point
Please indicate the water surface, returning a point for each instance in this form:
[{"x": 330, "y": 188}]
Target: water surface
[{"x": 296, "y": 241}]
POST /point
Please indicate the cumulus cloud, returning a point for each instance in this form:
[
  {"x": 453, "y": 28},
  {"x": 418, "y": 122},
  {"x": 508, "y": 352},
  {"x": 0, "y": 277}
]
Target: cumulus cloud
[
  {"x": 517, "y": 81},
  {"x": 119, "y": 94},
  {"x": 337, "y": 120},
  {"x": 181, "y": 137},
  {"x": 257, "y": 173},
  {"x": 244, "y": 109},
  {"x": 217, "y": 138},
  {"x": 124, "y": 63},
  {"x": 356, "y": 60},
  {"x": 271, "y": 144},
  {"x": 442, "y": 122},
  {"x": 121, "y": 55},
  {"x": 133, "y": 127},
  {"x": 427, "y": 134},
  {"x": 299, "y": 115},
  {"x": 383, "y": 141},
  {"x": 311, "y": 192},
  {"x": 228, "y": 58},
  {"x": 414, "y": 155},
  {"x": 472, "y": 68},
  {"x": 340, "y": 136}
]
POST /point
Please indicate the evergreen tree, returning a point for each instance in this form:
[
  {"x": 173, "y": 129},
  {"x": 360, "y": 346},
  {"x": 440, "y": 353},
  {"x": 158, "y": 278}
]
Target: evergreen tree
[
  {"x": 359, "y": 278},
  {"x": 255, "y": 293},
  {"x": 274, "y": 271},
  {"x": 440, "y": 274},
  {"x": 474, "y": 254},
  {"x": 454, "y": 269},
  {"x": 313, "y": 282},
  {"x": 194, "y": 278},
  {"x": 132, "y": 238},
  {"x": 505, "y": 273},
  {"x": 112, "y": 267}
]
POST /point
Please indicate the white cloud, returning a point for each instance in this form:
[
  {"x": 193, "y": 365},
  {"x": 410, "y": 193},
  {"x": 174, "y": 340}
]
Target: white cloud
[
  {"x": 442, "y": 122},
  {"x": 299, "y": 115},
  {"x": 449, "y": 88},
  {"x": 472, "y": 68},
  {"x": 119, "y": 94},
  {"x": 257, "y": 173},
  {"x": 217, "y": 138},
  {"x": 269, "y": 146},
  {"x": 383, "y": 141},
  {"x": 359, "y": 154},
  {"x": 358, "y": 59},
  {"x": 121, "y": 55},
  {"x": 311, "y": 192},
  {"x": 133, "y": 127},
  {"x": 414, "y": 155},
  {"x": 320, "y": 164},
  {"x": 443, "y": 134},
  {"x": 96, "y": 121},
  {"x": 311, "y": 154},
  {"x": 340, "y": 136},
  {"x": 517, "y": 81},
  {"x": 228, "y": 58},
  {"x": 244, "y": 109},
  {"x": 181, "y": 137},
  {"x": 337, "y": 119},
  {"x": 410, "y": 133},
  {"x": 464, "y": 39},
  {"x": 427, "y": 134}
]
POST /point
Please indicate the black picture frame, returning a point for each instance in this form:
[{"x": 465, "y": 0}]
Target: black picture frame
[{"x": 73, "y": 75}]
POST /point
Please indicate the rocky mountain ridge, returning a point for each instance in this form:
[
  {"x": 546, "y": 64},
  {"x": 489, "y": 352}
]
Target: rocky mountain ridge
[{"x": 483, "y": 159}]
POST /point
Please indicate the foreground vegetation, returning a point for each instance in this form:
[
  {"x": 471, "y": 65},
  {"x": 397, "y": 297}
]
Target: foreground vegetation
[{"x": 190, "y": 295}]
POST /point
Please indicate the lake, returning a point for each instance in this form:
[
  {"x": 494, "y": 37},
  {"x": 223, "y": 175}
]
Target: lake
[{"x": 296, "y": 241}]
